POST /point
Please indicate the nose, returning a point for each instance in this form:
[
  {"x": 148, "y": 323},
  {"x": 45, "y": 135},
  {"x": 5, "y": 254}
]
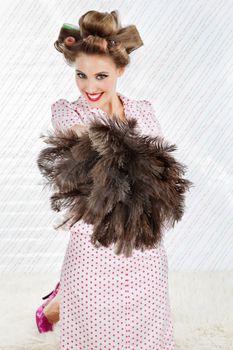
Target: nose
[{"x": 92, "y": 88}]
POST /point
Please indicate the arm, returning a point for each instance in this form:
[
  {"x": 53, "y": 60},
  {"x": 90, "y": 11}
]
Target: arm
[{"x": 64, "y": 116}]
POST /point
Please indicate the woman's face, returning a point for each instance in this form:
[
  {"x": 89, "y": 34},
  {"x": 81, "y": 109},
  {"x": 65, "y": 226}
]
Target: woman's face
[{"x": 96, "y": 74}]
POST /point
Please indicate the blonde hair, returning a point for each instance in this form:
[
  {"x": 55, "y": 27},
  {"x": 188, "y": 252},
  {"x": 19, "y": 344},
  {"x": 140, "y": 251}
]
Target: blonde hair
[{"x": 99, "y": 33}]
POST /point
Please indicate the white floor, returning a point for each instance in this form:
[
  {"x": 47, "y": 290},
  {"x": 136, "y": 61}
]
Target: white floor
[{"x": 201, "y": 305}]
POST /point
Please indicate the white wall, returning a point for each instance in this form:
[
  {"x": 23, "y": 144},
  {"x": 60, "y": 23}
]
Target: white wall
[{"x": 185, "y": 68}]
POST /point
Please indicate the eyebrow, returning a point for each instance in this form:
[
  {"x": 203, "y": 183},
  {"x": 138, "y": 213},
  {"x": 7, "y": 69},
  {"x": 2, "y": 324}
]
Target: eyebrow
[{"x": 77, "y": 70}]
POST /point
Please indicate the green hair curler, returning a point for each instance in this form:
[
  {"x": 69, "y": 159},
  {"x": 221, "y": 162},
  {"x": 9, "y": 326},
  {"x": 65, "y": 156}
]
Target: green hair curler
[{"x": 70, "y": 26}]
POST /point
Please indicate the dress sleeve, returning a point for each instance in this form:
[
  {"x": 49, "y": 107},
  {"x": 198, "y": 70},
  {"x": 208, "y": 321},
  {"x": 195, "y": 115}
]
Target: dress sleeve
[
  {"x": 153, "y": 123},
  {"x": 63, "y": 114},
  {"x": 155, "y": 130}
]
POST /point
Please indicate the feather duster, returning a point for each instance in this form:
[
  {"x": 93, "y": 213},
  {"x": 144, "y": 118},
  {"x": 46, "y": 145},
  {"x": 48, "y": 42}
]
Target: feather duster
[{"x": 128, "y": 186}]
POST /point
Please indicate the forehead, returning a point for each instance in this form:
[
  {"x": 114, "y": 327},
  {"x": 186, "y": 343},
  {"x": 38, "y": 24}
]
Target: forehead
[{"x": 94, "y": 63}]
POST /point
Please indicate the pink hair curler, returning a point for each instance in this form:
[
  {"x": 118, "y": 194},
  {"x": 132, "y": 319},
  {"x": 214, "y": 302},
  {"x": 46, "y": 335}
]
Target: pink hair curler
[{"x": 69, "y": 41}]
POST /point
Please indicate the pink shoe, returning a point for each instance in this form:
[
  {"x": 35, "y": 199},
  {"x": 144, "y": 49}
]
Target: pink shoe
[{"x": 42, "y": 322}]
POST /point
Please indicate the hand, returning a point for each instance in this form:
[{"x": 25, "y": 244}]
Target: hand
[{"x": 52, "y": 309}]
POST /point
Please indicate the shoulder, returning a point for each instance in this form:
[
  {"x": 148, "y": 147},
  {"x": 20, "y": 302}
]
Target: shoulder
[
  {"x": 65, "y": 113},
  {"x": 144, "y": 106},
  {"x": 138, "y": 107},
  {"x": 148, "y": 118}
]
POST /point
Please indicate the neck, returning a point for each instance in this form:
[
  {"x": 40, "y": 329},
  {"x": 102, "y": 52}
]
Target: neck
[{"x": 115, "y": 106}]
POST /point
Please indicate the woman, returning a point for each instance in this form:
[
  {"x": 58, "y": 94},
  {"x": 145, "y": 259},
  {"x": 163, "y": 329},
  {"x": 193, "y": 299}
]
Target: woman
[{"x": 106, "y": 301}]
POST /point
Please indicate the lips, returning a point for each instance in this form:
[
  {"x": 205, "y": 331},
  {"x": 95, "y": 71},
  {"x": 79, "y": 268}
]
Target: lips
[{"x": 94, "y": 97}]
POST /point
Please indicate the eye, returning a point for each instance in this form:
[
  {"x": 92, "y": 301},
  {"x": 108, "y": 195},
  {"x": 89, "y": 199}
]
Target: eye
[
  {"x": 78, "y": 74},
  {"x": 103, "y": 76},
  {"x": 100, "y": 75}
]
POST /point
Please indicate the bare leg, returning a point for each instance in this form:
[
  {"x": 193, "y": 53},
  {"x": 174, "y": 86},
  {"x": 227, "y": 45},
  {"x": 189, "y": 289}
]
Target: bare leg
[{"x": 51, "y": 310}]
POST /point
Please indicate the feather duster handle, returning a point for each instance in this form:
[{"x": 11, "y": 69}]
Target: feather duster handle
[{"x": 126, "y": 185}]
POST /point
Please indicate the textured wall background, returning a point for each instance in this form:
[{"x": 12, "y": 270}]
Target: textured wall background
[{"x": 185, "y": 68}]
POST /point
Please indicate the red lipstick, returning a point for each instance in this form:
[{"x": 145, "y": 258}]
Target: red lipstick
[{"x": 94, "y": 97}]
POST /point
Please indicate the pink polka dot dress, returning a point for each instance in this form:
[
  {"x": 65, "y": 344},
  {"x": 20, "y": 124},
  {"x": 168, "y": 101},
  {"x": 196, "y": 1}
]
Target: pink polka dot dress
[{"x": 109, "y": 301}]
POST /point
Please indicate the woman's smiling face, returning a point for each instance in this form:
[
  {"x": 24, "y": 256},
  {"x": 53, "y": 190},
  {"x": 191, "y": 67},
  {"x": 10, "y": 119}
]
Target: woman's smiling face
[{"x": 97, "y": 74}]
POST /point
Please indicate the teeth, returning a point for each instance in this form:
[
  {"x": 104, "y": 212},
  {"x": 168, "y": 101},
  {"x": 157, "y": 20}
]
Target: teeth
[{"x": 94, "y": 95}]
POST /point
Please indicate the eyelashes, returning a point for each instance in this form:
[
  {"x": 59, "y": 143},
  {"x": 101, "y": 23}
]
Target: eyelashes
[{"x": 101, "y": 75}]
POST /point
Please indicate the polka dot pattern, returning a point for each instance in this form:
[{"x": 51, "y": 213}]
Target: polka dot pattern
[
  {"x": 65, "y": 114},
  {"x": 109, "y": 301}
]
